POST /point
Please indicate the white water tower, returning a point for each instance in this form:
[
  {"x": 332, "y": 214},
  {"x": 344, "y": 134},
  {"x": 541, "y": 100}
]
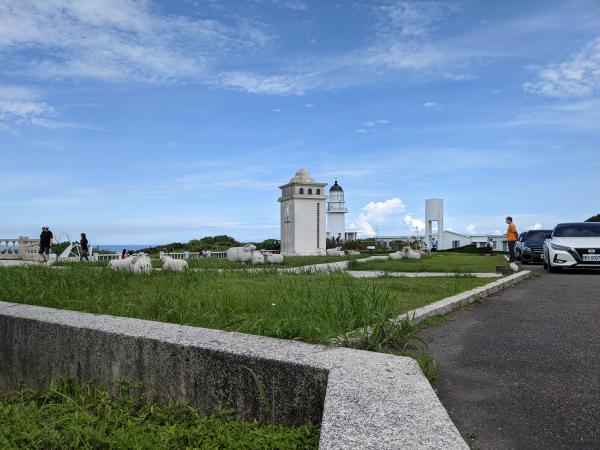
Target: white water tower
[{"x": 434, "y": 220}]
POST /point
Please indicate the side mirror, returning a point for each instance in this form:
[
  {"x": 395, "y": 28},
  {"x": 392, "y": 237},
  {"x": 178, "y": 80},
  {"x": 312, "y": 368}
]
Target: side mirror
[{"x": 548, "y": 236}]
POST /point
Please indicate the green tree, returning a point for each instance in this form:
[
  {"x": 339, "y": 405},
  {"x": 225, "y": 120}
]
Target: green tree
[{"x": 595, "y": 218}]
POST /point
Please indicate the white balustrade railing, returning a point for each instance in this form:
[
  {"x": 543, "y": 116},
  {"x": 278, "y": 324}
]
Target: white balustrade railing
[
  {"x": 19, "y": 248},
  {"x": 106, "y": 256},
  {"x": 198, "y": 255},
  {"x": 9, "y": 248}
]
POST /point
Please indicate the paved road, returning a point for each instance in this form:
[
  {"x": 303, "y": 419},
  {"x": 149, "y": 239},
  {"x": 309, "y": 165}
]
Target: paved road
[{"x": 522, "y": 369}]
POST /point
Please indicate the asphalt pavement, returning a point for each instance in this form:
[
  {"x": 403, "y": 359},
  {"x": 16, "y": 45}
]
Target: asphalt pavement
[{"x": 521, "y": 370}]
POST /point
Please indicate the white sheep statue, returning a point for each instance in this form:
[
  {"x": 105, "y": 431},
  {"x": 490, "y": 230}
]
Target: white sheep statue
[
  {"x": 409, "y": 253},
  {"x": 241, "y": 254},
  {"x": 396, "y": 256},
  {"x": 405, "y": 253},
  {"x": 273, "y": 258},
  {"x": 138, "y": 263},
  {"x": 257, "y": 258},
  {"x": 174, "y": 265},
  {"x": 120, "y": 264},
  {"x": 141, "y": 263},
  {"x": 335, "y": 252}
]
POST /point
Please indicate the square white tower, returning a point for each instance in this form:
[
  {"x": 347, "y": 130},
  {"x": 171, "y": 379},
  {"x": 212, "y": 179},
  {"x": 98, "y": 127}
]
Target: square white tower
[{"x": 303, "y": 216}]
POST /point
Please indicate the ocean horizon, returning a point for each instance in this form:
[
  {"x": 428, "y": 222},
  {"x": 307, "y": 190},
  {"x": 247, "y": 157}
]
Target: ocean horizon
[{"x": 117, "y": 248}]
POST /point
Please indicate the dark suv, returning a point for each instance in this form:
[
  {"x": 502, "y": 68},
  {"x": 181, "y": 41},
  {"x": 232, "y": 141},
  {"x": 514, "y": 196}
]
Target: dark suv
[{"x": 530, "y": 246}]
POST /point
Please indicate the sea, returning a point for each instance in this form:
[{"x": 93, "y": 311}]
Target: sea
[{"x": 117, "y": 248}]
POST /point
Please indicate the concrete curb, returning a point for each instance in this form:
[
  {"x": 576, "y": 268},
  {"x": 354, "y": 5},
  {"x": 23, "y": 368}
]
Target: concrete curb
[
  {"x": 449, "y": 304},
  {"x": 361, "y": 399},
  {"x": 379, "y": 273}
]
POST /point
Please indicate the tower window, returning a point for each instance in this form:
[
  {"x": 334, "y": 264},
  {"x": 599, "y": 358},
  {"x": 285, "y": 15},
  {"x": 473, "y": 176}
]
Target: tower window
[
  {"x": 309, "y": 191},
  {"x": 318, "y": 191},
  {"x": 301, "y": 191}
]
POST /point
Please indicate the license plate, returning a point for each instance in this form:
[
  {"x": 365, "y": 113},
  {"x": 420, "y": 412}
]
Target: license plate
[{"x": 591, "y": 258}]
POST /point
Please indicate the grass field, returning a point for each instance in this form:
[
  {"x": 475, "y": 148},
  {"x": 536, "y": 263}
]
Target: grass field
[
  {"x": 71, "y": 415},
  {"x": 223, "y": 263},
  {"x": 309, "y": 307},
  {"x": 442, "y": 262}
]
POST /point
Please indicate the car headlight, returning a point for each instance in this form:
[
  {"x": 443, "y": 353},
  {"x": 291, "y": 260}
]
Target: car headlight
[
  {"x": 560, "y": 247},
  {"x": 526, "y": 249}
]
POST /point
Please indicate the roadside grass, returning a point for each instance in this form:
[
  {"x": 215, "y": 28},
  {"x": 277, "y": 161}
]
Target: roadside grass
[
  {"x": 71, "y": 414},
  {"x": 442, "y": 262},
  {"x": 310, "y": 307},
  {"x": 224, "y": 263}
]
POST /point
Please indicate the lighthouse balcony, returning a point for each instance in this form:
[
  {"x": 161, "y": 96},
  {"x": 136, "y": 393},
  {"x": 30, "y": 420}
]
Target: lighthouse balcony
[{"x": 336, "y": 208}]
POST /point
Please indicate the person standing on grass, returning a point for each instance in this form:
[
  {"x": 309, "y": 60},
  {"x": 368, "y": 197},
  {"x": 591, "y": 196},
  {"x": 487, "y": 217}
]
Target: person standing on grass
[
  {"x": 434, "y": 245},
  {"x": 45, "y": 243},
  {"x": 511, "y": 237},
  {"x": 84, "y": 248}
]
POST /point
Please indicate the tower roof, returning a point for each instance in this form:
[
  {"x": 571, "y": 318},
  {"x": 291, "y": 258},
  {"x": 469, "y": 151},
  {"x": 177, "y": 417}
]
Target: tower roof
[
  {"x": 336, "y": 187},
  {"x": 302, "y": 176}
]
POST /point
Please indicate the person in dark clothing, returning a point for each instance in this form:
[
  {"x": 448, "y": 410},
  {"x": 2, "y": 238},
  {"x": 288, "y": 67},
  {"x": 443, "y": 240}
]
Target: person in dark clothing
[
  {"x": 45, "y": 243},
  {"x": 84, "y": 248},
  {"x": 124, "y": 254}
]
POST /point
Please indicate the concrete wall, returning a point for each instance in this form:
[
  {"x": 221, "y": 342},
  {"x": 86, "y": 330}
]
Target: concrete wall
[{"x": 362, "y": 399}]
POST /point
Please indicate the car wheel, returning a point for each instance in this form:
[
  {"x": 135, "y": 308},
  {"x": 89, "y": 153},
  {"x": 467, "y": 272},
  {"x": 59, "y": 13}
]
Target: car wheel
[{"x": 545, "y": 262}]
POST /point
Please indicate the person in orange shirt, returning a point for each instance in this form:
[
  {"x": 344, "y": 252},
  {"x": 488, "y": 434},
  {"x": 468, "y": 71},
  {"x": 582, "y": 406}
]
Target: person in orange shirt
[{"x": 511, "y": 237}]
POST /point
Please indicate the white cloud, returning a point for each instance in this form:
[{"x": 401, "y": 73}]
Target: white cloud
[
  {"x": 414, "y": 224},
  {"x": 429, "y": 104},
  {"x": 578, "y": 76},
  {"x": 61, "y": 125},
  {"x": 372, "y": 123},
  {"x": 264, "y": 84},
  {"x": 309, "y": 105},
  {"x": 583, "y": 115},
  {"x": 471, "y": 228},
  {"x": 293, "y": 5},
  {"x": 377, "y": 213},
  {"x": 535, "y": 226},
  {"x": 21, "y": 105},
  {"x": 276, "y": 110},
  {"x": 119, "y": 40}
]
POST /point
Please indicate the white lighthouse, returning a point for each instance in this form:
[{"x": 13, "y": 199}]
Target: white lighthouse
[
  {"x": 303, "y": 219},
  {"x": 336, "y": 213}
]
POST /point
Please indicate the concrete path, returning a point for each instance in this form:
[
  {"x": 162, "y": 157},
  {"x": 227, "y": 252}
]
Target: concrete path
[
  {"x": 522, "y": 369},
  {"x": 379, "y": 273}
]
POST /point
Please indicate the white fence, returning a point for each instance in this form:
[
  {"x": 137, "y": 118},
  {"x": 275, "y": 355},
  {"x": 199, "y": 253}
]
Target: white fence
[
  {"x": 199, "y": 255},
  {"x": 19, "y": 248}
]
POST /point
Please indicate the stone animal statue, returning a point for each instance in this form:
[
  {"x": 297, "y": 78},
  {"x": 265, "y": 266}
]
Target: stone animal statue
[
  {"x": 138, "y": 263},
  {"x": 273, "y": 258},
  {"x": 174, "y": 265},
  {"x": 241, "y": 254},
  {"x": 335, "y": 252}
]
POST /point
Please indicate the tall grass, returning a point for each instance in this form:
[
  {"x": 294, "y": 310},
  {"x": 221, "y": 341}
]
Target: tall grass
[
  {"x": 310, "y": 307},
  {"x": 443, "y": 262},
  {"x": 72, "y": 414}
]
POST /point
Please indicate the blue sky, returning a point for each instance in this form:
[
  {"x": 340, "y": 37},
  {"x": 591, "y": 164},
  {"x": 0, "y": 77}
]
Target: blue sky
[{"x": 148, "y": 122}]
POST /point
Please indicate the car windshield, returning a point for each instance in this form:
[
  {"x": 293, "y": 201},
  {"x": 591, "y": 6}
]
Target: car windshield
[
  {"x": 537, "y": 235},
  {"x": 578, "y": 230}
]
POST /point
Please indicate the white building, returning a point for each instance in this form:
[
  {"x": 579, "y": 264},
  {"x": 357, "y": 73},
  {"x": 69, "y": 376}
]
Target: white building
[
  {"x": 302, "y": 216},
  {"x": 447, "y": 239}
]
